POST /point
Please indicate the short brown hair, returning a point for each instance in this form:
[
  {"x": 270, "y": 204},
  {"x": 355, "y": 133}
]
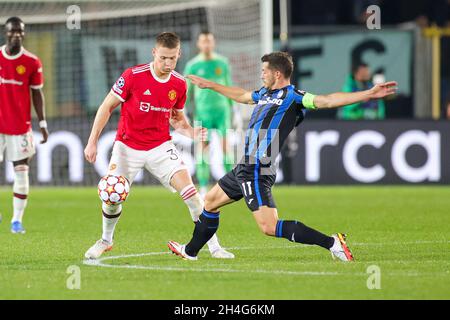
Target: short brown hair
[
  {"x": 204, "y": 32},
  {"x": 280, "y": 61},
  {"x": 168, "y": 40}
]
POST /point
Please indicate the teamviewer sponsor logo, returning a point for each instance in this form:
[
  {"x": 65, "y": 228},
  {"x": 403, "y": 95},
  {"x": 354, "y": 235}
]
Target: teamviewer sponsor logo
[
  {"x": 159, "y": 109},
  {"x": 8, "y": 81},
  {"x": 145, "y": 106}
]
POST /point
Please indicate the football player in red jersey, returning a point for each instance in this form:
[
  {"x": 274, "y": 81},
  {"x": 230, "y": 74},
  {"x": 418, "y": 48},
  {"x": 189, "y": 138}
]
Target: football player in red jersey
[
  {"x": 152, "y": 97},
  {"x": 20, "y": 71}
]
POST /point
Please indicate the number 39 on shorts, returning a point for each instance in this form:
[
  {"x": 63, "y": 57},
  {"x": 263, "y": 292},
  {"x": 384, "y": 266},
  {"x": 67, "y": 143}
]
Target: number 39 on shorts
[{"x": 173, "y": 154}]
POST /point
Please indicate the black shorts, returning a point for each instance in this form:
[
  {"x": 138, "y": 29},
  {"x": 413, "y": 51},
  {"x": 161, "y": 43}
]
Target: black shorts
[{"x": 246, "y": 181}]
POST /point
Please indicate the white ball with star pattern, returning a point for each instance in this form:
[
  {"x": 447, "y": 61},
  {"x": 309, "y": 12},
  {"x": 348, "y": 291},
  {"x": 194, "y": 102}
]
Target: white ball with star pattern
[{"x": 113, "y": 189}]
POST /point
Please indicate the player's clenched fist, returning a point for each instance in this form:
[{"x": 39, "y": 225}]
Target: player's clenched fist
[{"x": 90, "y": 152}]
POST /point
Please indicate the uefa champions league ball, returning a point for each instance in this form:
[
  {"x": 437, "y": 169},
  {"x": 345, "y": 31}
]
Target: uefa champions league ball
[{"x": 113, "y": 189}]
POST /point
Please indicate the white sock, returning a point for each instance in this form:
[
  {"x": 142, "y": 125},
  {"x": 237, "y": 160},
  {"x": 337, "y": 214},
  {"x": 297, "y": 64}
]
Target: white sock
[
  {"x": 21, "y": 188},
  {"x": 213, "y": 243},
  {"x": 19, "y": 206},
  {"x": 203, "y": 191},
  {"x": 195, "y": 204},
  {"x": 109, "y": 224},
  {"x": 336, "y": 246},
  {"x": 108, "y": 228},
  {"x": 193, "y": 201}
]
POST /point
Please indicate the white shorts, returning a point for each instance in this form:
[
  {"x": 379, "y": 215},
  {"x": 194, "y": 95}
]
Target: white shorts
[
  {"x": 18, "y": 147},
  {"x": 162, "y": 162}
]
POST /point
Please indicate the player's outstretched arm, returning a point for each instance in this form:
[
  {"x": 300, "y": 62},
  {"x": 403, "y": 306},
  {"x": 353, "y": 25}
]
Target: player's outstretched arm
[
  {"x": 340, "y": 99},
  {"x": 101, "y": 118},
  {"x": 181, "y": 125},
  {"x": 237, "y": 94}
]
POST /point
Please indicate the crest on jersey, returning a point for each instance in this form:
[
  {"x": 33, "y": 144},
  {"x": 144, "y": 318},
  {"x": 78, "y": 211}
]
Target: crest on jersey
[
  {"x": 172, "y": 95},
  {"x": 120, "y": 82},
  {"x": 280, "y": 94},
  {"x": 218, "y": 71},
  {"x": 21, "y": 69},
  {"x": 112, "y": 167}
]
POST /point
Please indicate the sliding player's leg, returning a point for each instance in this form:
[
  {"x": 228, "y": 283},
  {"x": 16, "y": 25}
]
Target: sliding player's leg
[
  {"x": 266, "y": 217},
  {"x": 257, "y": 192}
]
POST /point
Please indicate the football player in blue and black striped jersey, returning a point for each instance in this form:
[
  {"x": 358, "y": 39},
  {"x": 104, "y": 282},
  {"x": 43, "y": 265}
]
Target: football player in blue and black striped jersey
[{"x": 280, "y": 107}]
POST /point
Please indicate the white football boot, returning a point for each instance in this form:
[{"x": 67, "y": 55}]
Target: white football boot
[
  {"x": 179, "y": 250},
  {"x": 340, "y": 249},
  {"x": 98, "y": 249}
]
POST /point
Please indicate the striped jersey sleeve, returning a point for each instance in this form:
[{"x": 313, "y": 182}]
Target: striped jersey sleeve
[{"x": 257, "y": 94}]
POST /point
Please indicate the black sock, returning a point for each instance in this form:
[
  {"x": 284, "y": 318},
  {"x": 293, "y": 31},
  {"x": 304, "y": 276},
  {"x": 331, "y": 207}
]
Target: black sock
[
  {"x": 205, "y": 227},
  {"x": 296, "y": 231}
]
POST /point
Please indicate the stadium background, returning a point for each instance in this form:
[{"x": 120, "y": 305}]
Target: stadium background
[
  {"x": 82, "y": 58},
  {"x": 403, "y": 230}
]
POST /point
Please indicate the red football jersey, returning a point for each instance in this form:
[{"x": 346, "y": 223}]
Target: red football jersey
[
  {"x": 147, "y": 103},
  {"x": 18, "y": 74}
]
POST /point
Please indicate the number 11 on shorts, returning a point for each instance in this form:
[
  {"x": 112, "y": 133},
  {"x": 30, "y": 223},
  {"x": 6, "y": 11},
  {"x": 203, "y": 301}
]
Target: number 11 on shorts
[{"x": 249, "y": 185}]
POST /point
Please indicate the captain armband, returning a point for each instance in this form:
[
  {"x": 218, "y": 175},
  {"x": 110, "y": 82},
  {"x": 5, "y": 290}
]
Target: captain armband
[{"x": 308, "y": 101}]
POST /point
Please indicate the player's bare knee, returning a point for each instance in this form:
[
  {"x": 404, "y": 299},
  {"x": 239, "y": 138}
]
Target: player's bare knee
[
  {"x": 209, "y": 207},
  {"x": 267, "y": 228},
  {"x": 21, "y": 180},
  {"x": 211, "y": 202}
]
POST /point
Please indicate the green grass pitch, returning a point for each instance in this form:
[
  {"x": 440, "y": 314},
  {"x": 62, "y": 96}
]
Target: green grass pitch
[{"x": 404, "y": 231}]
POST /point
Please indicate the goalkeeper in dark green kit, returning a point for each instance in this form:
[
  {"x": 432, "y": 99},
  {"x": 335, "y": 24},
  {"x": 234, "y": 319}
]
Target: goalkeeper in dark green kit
[{"x": 211, "y": 109}]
